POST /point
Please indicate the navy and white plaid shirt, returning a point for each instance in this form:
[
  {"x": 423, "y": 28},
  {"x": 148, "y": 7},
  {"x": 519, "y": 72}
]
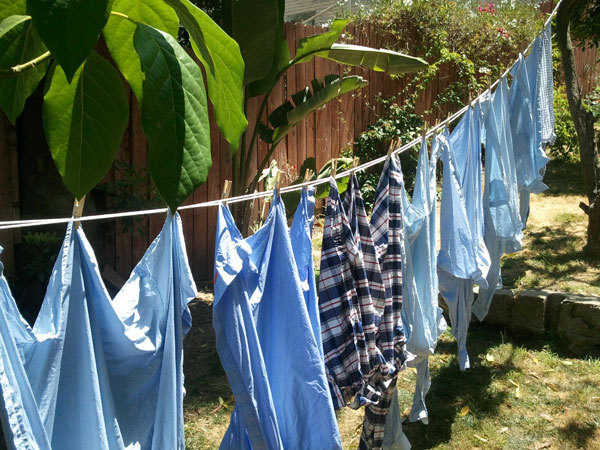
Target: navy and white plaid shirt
[
  {"x": 386, "y": 229},
  {"x": 347, "y": 314}
]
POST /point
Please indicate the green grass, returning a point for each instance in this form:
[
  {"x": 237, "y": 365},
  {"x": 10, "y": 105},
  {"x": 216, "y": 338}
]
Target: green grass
[
  {"x": 553, "y": 255},
  {"x": 557, "y": 401}
]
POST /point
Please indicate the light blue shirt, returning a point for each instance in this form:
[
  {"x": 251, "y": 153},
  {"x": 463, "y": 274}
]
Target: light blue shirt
[
  {"x": 266, "y": 341},
  {"x": 503, "y": 227},
  {"x": 463, "y": 258},
  {"x": 97, "y": 373}
]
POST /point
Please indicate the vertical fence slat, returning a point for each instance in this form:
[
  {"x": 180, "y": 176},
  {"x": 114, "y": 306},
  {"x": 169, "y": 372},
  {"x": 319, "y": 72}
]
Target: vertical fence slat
[
  {"x": 309, "y": 127},
  {"x": 290, "y": 88},
  {"x": 214, "y": 183},
  {"x": 123, "y": 239},
  {"x": 139, "y": 161},
  {"x": 7, "y": 176},
  {"x": 322, "y": 121}
]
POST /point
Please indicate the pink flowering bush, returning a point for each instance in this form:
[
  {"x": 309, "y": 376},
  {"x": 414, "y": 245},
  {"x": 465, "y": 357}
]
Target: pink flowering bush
[{"x": 487, "y": 8}]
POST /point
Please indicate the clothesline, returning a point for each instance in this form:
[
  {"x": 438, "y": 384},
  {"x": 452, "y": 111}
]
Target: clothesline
[{"x": 14, "y": 224}]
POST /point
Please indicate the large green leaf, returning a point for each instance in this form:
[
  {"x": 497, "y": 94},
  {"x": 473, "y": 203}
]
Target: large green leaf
[
  {"x": 119, "y": 31},
  {"x": 380, "y": 60},
  {"x": 253, "y": 24},
  {"x": 308, "y": 46},
  {"x": 69, "y": 28},
  {"x": 19, "y": 43},
  {"x": 12, "y": 8},
  {"x": 306, "y": 102},
  {"x": 281, "y": 57},
  {"x": 84, "y": 121},
  {"x": 174, "y": 115},
  {"x": 222, "y": 60}
]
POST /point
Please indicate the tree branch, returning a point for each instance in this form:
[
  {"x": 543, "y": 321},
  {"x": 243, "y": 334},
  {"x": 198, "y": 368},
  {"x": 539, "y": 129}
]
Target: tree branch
[{"x": 15, "y": 70}]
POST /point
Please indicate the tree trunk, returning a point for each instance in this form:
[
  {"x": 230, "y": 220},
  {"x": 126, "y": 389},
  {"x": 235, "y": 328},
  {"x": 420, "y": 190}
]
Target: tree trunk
[{"x": 589, "y": 146}]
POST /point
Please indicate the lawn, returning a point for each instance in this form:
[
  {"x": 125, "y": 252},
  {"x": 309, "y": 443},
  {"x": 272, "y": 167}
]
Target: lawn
[
  {"x": 552, "y": 255},
  {"x": 518, "y": 394}
]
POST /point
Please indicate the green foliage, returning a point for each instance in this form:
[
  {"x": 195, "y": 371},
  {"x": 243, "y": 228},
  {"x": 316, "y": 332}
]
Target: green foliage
[
  {"x": 566, "y": 146},
  {"x": 253, "y": 24},
  {"x": 12, "y": 7},
  {"x": 84, "y": 121},
  {"x": 85, "y": 108},
  {"x": 19, "y": 43},
  {"x": 397, "y": 122},
  {"x": 34, "y": 256},
  {"x": 69, "y": 28},
  {"x": 174, "y": 115},
  {"x": 118, "y": 34},
  {"x": 285, "y": 117},
  {"x": 471, "y": 39},
  {"x": 592, "y": 102},
  {"x": 224, "y": 67},
  {"x": 379, "y": 60},
  {"x": 585, "y": 24},
  {"x": 130, "y": 190},
  {"x": 281, "y": 56},
  {"x": 309, "y": 46}
]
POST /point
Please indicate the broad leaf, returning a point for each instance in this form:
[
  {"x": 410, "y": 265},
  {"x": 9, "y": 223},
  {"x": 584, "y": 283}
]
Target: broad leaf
[
  {"x": 309, "y": 46},
  {"x": 281, "y": 57},
  {"x": 12, "y": 8},
  {"x": 224, "y": 67},
  {"x": 19, "y": 43},
  {"x": 119, "y": 31},
  {"x": 253, "y": 24},
  {"x": 69, "y": 28},
  {"x": 174, "y": 115},
  {"x": 84, "y": 121},
  {"x": 307, "y": 102},
  {"x": 380, "y": 60}
]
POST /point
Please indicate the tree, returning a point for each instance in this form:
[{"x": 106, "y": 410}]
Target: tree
[
  {"x": 85, "y": 110},
  {"x": 582, "y": 18}
]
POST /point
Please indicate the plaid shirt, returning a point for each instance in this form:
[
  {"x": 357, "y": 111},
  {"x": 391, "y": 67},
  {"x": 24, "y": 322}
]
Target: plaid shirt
[
  {"x": 346, "y": 309},
  {"x": 386, "y": 229}
]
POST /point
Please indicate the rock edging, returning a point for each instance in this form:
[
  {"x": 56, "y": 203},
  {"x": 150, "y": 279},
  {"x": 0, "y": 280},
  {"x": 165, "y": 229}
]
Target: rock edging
[{"x": 575, "y": 318}]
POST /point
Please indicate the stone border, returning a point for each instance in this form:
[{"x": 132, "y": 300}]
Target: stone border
[{"x": 575, "y": 318}]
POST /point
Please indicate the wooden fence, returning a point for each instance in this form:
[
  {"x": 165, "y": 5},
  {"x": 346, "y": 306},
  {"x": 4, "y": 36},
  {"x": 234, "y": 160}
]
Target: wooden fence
[{"x": 321, "y": 136}]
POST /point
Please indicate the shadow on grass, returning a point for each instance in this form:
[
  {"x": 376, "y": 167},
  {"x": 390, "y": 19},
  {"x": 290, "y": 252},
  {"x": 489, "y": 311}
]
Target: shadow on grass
[
  {"x": 205, "y": 379},
  {"x": 580, "y": 434},
  {"x": 452, "y": 389},
  {"x": 563, "y": 178},
  {"x": 553, "y": 250}
]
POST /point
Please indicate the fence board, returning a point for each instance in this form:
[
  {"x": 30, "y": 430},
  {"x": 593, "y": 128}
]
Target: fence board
[
  {"x": 139, "y": 161},
  {"x": 123, "y": 241}
]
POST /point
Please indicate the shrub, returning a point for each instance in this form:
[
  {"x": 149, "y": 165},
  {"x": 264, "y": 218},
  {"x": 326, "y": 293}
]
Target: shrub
[
  {"x": 398, "y": 122},
  {"x": 35, "y": 256},
  {"x": 592, "y": 102},
  {"x": 566, "y": 146},
  {"x": 474, "y": 40}
]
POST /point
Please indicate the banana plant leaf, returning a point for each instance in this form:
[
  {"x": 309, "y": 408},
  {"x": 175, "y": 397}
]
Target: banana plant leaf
[
  {"x": 379, "y": 60},
  {"x": 285, "y": 117}
]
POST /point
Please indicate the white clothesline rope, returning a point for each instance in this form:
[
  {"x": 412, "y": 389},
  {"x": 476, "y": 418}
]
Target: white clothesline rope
[{"x": 12, "y": 224}]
